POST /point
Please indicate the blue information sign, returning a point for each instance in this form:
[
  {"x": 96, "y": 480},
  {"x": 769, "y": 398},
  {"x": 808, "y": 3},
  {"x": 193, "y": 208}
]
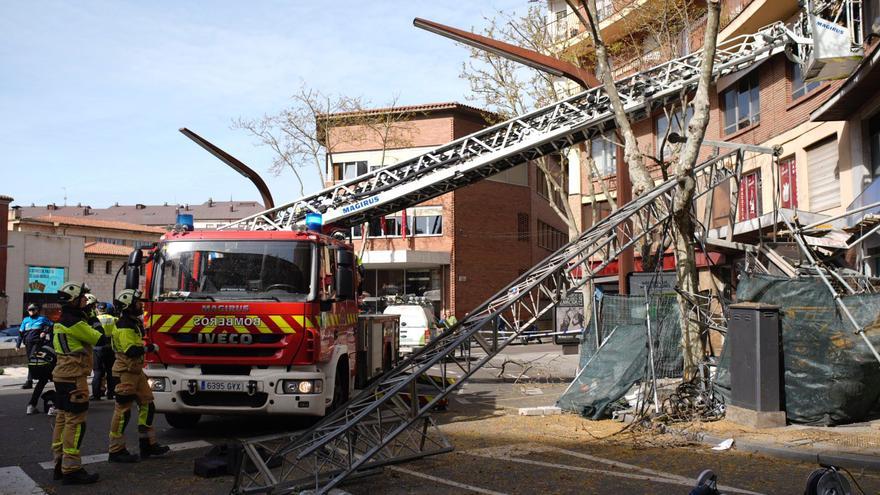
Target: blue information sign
[{"x": 44, "y": 279}]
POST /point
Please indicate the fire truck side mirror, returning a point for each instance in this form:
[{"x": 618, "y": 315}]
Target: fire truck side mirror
[
  {"x": 132, "y": 269},
  {"x": 344, "y": 283},
  {"x": 345, "y": 274}
]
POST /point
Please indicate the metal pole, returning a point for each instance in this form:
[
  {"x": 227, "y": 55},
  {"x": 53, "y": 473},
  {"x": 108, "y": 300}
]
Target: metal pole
[{"x": 651, "y": 352}]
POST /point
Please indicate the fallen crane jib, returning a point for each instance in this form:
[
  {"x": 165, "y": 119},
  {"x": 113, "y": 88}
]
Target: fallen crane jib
[{"x": 455, "y": 344}]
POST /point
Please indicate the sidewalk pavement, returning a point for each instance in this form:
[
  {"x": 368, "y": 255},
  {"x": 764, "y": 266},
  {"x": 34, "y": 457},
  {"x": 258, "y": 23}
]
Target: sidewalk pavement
[
  {"x": 13, "y": 376},
  {"x": 854, "y": 446}
]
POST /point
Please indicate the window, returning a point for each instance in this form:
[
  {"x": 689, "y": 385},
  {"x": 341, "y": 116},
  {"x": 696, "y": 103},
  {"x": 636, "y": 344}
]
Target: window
[
  {"x": 420, "y": 221},
  {"x": 874, "y": 138},
  {"x": 604, "y": 9},
  {"x": 788, "y": 183},
  {"x": 550, "y": 238},
  {"x": 522, "y": 226},
  {"x": 542, "y": 187},
  {"x": 349, "y": 170},
  {"x": 742, "y": 104},
  {"x": 108, "y": 267},
  {"x": 750, "y": 195},
  {"x": 798, "y": 86},
  {"x": 108, "y": 240},
  {"x": 90, "y": 266},
  {"x": 604, "y": 153},
  {"x": 679, "y": 126},
  {"x": 429, "y": 220}
]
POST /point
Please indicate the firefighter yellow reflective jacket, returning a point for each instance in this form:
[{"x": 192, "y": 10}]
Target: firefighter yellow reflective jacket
[
  {"x": 73, "y": 342},
  {"x": 128, "y": 343}
]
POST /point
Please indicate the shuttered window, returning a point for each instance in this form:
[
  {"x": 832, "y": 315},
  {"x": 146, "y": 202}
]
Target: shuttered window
[{"x": 824, "y": 178}]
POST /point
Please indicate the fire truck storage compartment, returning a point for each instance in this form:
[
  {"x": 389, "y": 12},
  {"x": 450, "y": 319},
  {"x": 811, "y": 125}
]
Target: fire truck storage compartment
[{"x": 372, "y": 359}]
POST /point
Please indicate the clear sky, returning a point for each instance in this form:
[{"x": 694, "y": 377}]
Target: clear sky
[{"x": 92, "y": 93}]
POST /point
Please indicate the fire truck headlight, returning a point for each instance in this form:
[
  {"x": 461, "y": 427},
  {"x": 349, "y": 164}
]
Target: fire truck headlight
[
  {"x": 302, "y": 386},
  {"x": 156, "y": 384}
]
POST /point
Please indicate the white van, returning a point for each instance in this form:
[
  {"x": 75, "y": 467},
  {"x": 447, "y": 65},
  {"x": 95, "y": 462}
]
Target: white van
[{"x": 417, "y": 325}]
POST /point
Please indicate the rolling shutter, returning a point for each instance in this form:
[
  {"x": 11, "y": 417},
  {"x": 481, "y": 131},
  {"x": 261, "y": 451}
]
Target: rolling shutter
[{"x": 824, "y": 177}]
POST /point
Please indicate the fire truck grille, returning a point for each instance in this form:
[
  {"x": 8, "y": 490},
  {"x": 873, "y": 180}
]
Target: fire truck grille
[
  {"x": 259, "y": 338},
  {"x": 229, "y": 351},
  {"x": 224, "y": 399}
]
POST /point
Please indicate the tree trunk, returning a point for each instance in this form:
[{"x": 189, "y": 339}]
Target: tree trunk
[{"x": 686, "y": 267}]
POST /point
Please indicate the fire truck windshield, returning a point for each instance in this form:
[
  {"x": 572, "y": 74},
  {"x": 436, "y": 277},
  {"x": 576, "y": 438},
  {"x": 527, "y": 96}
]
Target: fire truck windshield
[{"x": 234, "y": 270}]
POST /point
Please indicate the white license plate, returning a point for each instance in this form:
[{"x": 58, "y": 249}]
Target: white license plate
[{"x": 216, "y": 386}]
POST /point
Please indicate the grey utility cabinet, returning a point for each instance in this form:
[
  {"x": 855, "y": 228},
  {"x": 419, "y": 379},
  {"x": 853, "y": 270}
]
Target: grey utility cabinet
[{"x": 756, "y": 378}]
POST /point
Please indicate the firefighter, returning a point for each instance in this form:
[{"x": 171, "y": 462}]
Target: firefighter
[
  {"x": 104, "y": 356},
  {"x": 128, "y": 372},
  {"x": 73, "y": 341}
]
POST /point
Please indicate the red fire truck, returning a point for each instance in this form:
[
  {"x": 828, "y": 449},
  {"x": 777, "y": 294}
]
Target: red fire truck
[{"x": 256, "y": 322}]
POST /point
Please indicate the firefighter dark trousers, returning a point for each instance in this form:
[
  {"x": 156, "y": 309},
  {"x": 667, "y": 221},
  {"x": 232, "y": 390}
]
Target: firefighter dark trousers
[
  {"x": 131, "y": 388},
  {"x": 70, "y": 423}
]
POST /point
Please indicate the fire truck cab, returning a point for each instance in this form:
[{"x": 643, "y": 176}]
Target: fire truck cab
[{"x": 252, "y": 322}]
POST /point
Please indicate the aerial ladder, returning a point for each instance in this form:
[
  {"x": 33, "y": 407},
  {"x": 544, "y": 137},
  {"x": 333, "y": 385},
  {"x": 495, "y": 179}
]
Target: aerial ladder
[{"x": 378, "y": 426}]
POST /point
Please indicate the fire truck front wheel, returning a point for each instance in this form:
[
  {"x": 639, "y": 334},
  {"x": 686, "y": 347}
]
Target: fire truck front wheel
[
  {"x": 182, "y": 421},
  {"x": 340, "y": 385}
]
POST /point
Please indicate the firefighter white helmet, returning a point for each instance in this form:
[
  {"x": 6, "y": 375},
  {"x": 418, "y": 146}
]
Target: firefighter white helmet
[
  {"x": 127, "y": 298},
  {"x": 91, "y": 300},
  {"x": 72, "y": 291}
]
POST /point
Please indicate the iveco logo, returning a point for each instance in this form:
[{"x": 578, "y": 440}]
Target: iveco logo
[
  {"x": 225, "y": 308},
  {"x": 225, "y": 338}
]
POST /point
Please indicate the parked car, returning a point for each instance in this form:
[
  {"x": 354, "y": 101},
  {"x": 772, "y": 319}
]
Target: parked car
[
  {"x": 417, "y": 325},
  {"x": 9, "y": 334}
]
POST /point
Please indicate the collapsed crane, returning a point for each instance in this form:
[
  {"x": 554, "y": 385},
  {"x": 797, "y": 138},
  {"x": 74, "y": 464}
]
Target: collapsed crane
[{"x": 378, "y": 427}]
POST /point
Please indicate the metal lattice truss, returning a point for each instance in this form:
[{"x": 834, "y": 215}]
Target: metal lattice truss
[
  {"x": 485, "y": 153},
  {"x": 380, "y": 426}
]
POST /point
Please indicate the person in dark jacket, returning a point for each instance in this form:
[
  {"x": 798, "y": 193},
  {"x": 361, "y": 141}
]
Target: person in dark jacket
[
  {"x": 41, "y": 362},
  {"x": 104, "y": 355},
  {"x": 31, "y": 327}
]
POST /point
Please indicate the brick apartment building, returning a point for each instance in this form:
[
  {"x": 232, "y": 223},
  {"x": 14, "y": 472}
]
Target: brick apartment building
[
  {"x": 457, "y": 249},
  {"x": 767, "y": 104}
]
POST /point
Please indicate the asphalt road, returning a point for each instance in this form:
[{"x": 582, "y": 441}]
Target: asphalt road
[{"x": 495, "y": 452}]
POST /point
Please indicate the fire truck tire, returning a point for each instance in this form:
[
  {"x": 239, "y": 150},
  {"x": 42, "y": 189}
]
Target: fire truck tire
[
  {"x": 182, "y": 421},
  {"x": 340, "y": 385}
]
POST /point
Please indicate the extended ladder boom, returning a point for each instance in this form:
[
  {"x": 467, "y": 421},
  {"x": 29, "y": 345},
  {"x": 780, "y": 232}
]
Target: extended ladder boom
[{"x": 485, "y": 153}]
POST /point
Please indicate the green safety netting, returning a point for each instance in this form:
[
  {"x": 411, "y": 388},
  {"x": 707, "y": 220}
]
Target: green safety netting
[
  {"x": 609, "y": 372},
  {"x": 831, "y": 377}
]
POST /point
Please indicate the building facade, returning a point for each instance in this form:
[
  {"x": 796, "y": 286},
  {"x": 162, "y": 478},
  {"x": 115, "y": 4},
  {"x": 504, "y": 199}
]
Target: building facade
[
  {"x": 208, "y": 215},
  {"x": 458, "y": 249},
  {"x": 102, "y": 246},
  {"x": 767, "y": 104}
]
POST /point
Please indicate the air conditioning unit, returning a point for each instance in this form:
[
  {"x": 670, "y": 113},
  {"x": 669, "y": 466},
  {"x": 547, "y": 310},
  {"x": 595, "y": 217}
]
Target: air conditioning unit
[{"x": 832, "y": 56}]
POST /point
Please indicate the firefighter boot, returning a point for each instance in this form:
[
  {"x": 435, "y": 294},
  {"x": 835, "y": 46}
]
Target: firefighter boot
[
  {"x": 123, "y": 456},
  {"x": 152, "y": 449},
  {"x": 79, "y": 477},
  {"x": 57, "y": 474}
]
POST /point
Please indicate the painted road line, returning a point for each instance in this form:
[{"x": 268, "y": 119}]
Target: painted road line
[
  {"x": 16, "y": 482},
  {"x": 175, "y": 447},
  {"x": 642, "y": 470},
  {"x": 445, "y": 481},
  {"x": 507, "y": 454}
]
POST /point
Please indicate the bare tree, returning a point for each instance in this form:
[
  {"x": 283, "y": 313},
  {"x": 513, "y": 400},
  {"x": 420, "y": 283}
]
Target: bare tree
[
  {"x": 304, "y": 136},
  {"x": 509, "y": 89},
  {"x": 686, "y": 271}
]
